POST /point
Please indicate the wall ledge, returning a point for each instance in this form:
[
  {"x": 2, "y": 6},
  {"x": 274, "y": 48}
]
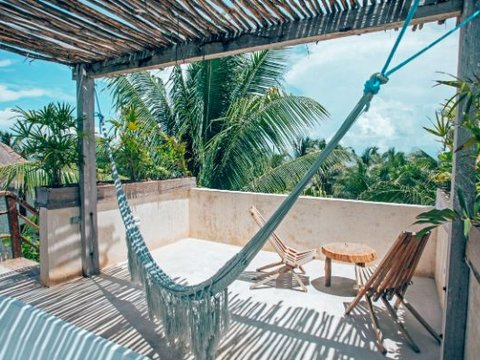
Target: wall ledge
[{"x": 69, "y": 196}]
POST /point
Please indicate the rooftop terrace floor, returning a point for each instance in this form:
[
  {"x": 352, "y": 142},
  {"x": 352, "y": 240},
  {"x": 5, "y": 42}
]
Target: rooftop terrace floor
[{"x": 272, "y": 323}]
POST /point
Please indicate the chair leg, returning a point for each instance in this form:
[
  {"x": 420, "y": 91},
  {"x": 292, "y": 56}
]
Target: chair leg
[
  {"x": 376, "y": 326},
  {"x": 260, "y": 269},
  {"x": 398, "y": 302},
  {"x": 299, "y": 281},
  {"x": 420, "y": 319},
  {"x": 302, "y": 270},
  {"x": 360, "y": 295},
  {"x": 401, "y": 326}
]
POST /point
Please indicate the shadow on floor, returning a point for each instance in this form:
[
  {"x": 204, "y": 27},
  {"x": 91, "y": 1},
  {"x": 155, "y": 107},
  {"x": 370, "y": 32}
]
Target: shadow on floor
[
  {"x": 111, "y": 307},
  {"x": 284, "y": 281},
  {"x": 340, "y": 286}
]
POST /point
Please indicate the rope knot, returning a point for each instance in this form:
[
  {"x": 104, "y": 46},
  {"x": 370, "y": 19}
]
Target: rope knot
[{"x": 372, "y": 85}]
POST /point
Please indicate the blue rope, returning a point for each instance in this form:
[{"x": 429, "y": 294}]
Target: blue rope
[
  {"x": 406, "y": 23},
  {"x": 428, "y": 47},
  {"x": 372, "y": 85}
]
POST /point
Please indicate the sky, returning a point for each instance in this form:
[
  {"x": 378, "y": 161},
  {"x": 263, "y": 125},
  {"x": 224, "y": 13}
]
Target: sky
[{"x": 332, "y": 72}]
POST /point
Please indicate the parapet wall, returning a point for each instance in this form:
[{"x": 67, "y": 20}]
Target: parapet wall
[
  {"x": 161, "y": 207},
  {"x": 224, "y": 216},
  {"x": 171, "y": 210}
]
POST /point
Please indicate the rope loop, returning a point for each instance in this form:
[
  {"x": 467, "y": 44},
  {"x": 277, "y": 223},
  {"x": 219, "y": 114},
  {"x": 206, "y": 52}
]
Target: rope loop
[{"x": 372, "y": 85}]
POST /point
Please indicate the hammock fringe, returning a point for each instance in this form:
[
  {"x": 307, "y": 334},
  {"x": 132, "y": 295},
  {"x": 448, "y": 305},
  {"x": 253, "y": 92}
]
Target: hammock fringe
[{"x": 197, "y": 324}]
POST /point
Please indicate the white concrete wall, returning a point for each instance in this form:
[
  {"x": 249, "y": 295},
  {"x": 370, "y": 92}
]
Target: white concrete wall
[
  {"x": 443, "y": 233},
  {"x": 472, "y": 341},
  {"x": 164, "y": 218},
  {"x": 60, "y": 247},
  {"x": 441, "y": 261},
  {"x": 224, "y": 216}
]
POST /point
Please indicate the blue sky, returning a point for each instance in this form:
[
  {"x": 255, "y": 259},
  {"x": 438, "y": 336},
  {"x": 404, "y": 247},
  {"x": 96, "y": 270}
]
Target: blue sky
[{"x": 332, "y": 72}]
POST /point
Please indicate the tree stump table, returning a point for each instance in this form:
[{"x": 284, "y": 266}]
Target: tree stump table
[{"x": 353, "y": 253}]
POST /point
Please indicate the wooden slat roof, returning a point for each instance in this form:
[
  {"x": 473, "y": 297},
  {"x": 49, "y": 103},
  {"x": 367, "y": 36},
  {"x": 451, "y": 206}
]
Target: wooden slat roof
[{"x": 116, "y": 35}]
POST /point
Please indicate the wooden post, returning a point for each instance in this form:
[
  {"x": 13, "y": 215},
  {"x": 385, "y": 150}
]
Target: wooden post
[
  {"x": 463, "y": 177},
  {"x": 13, "y": 227},
  {"x": 88, "y": 177}
]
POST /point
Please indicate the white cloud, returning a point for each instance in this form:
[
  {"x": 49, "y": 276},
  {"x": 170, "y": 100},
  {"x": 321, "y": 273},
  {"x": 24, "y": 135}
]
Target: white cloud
[
  {"x": 8, "y": 94},
  {"x": 333, "y": 72},
  {"x": 5, "y": 62},
  {"x": 163, "y": 73},
  {"x": 6, "y": 118}
]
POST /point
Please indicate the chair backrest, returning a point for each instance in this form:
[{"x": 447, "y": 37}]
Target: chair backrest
[
  {"x": 395, "y": 271},
  {"x": 279, "y": 246}
]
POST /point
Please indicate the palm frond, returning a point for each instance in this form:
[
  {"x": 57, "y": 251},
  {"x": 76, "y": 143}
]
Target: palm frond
[
  {"x": 260, "y": 72},
  {"x": 256, "y": 124},
  {"x": 148, "y": 95},
  {"x": 283, "y": 177}
]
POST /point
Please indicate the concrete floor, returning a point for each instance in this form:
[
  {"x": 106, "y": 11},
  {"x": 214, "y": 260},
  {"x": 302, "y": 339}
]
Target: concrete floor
[{"x": 277, "y": 322}]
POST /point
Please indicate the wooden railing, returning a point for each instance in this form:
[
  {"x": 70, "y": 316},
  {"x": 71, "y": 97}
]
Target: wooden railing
[{"x": 16, "y": 212}]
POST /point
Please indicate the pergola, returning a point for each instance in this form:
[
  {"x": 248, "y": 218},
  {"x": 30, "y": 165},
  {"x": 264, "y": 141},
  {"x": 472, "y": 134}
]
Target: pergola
[{"x": 98, "y": 38}]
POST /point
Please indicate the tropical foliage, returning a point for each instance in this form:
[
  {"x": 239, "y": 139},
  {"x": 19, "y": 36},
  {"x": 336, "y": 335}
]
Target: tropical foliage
[
  {"x": 232, "y": 114},
  {"x": 48, "y": 139},
  {"x": 161, "y": 160},
  {"x": 467, "y": 101},
  {"x": 390, "y": 176}
]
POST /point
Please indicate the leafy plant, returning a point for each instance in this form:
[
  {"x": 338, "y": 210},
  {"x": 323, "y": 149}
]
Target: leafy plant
[
  {"x": 436, "y": 217},
  {"x": 467, "y": 100},
  {"x": 160, "y": 160},
  {"x": 6, "y": 137},
  {"x": 30, "y": 241},
  {"x": 48, "y": 139}
]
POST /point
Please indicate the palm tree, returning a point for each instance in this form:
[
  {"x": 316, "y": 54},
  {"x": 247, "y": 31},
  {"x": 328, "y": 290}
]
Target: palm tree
[
  {"x": 390, "y": 177},
  {"x": 282, "y": 177},
  {"x": 357, "y": 178},
  {"x": 48, "y": 139},
  {"x": 232, "y": 114}
]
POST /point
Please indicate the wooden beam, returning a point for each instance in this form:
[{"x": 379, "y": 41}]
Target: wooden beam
[
  {"x": 357, "y": 21},
  {"x": 88, "y": 177},
  {"x": 463, "y": 178},
  {"x": 14, "y": 227}
]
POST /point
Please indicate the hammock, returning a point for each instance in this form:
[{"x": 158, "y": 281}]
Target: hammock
[{"x": 197, "y": 315}]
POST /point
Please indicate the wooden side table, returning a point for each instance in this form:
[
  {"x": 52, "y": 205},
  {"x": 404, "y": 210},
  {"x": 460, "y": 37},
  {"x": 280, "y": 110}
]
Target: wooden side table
[{"x": 353, "y": 253}]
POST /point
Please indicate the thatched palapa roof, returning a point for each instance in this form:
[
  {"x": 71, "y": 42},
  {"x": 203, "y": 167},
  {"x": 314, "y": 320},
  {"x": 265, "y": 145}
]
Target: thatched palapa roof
[
  {"x": 113, "y": 36},
  {"x": 8, "y": 156}
]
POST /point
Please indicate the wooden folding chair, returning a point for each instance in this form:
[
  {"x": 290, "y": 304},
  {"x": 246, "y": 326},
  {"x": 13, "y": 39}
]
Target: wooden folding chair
[
  {"x": 291, "y": 259},
  {"x": 391, "y": 278}
]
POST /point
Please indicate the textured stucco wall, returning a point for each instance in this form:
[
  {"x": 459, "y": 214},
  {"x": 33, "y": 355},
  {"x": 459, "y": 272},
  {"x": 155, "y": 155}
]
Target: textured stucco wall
[
  {"x": 60, "y": 249},
  {"x": 472, "y": 341},
  {"x": 441, "y": 261},
  {"x": 163, "y": 219},
  {"x": 443, "y": 233},
  {"x": 224, "y": 216}
]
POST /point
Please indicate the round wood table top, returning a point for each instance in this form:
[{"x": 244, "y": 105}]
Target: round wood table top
[{"x": 349, "y": 252}]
